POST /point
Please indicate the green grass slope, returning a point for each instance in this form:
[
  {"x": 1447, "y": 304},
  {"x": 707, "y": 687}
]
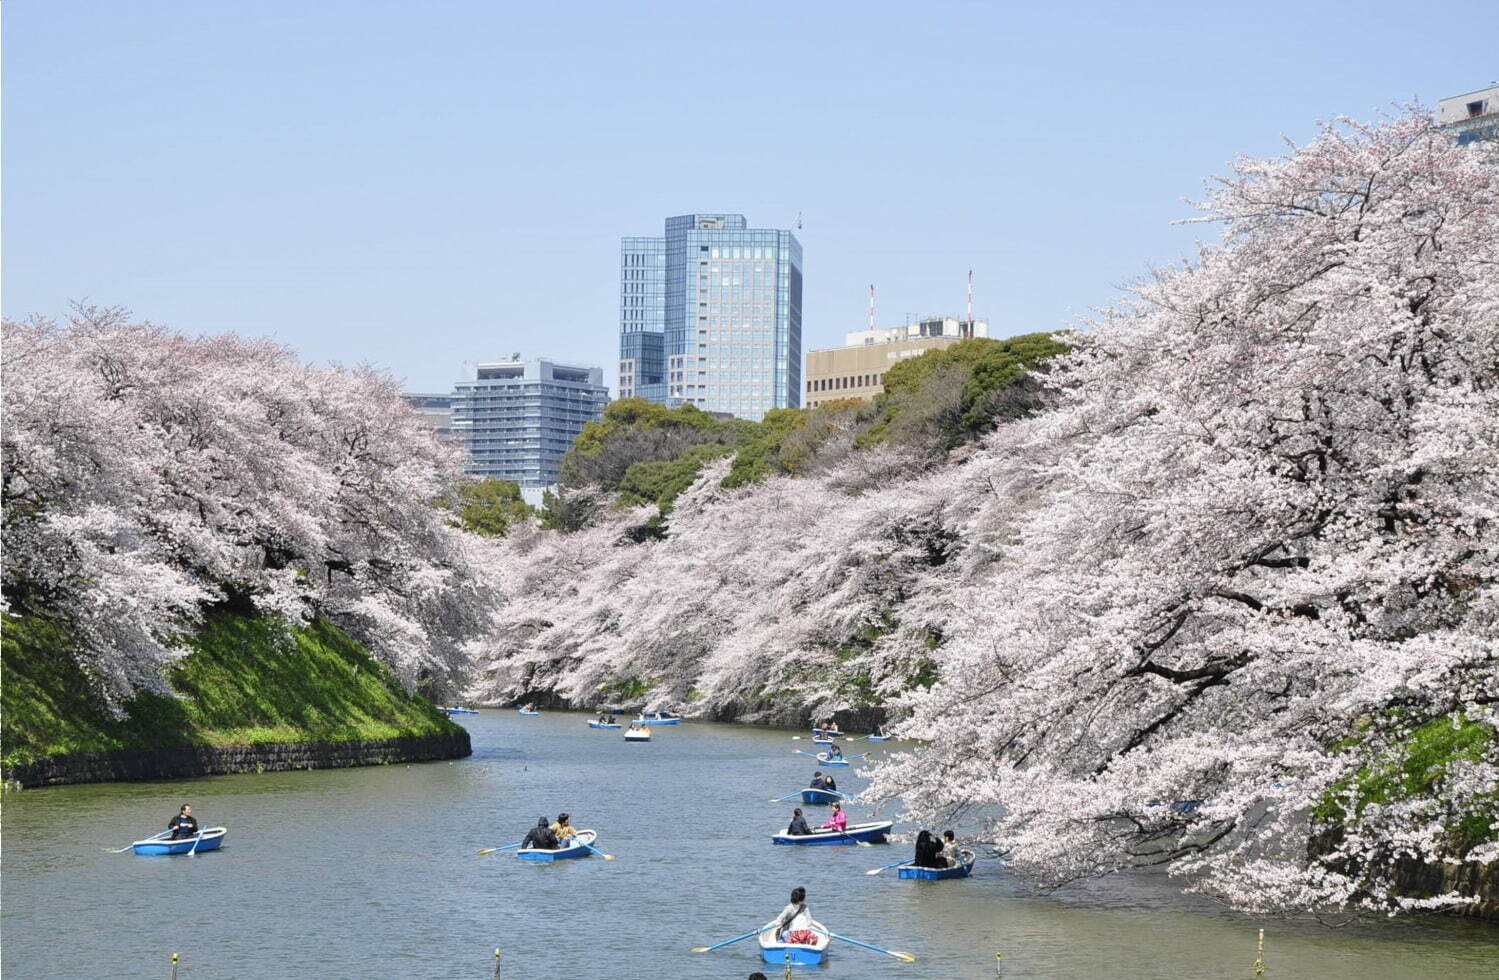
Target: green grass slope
[{"x": 247, "y": 681}]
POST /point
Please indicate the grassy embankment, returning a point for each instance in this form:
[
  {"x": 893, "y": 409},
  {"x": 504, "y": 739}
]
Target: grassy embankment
[{"x": 247, "y": 681}]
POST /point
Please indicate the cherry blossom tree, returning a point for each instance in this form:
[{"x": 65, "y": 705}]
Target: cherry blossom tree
[
  {"x": 148, "y": 474},
  {"x": 1257, "y": 537}
]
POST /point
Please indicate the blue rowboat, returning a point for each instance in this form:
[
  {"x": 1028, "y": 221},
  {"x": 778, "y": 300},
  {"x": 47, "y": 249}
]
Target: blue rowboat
[
  {"x": 877, "y": 738},
  {"x": 776, "y": 952},
  {"x": 575, "y": 849},
  {"x": 461, "y": 711},
  {"x": 529, "y": 714},
  {"x": 939, "y": 874},
  {"x": 822, "y": 740},
  {"x": 821, "y": 796},
  {"x": 207, "y": 840},
  {"x": 656, "y": 718},
  {"x": 603, "y": 724},
  {"x": 826, "y": 733},
  {"x": 827, "y": 759},
  {"x": 872, "y": 832}
]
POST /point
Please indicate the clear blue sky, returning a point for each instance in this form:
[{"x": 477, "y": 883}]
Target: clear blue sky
[{"x": 422, "y": 183}]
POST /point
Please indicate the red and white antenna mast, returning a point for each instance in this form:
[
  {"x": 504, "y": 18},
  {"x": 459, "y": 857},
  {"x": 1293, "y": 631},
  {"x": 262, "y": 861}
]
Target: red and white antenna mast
[
  {"x": 871, "y": 306},
  {"x": 970, "y": 302}
]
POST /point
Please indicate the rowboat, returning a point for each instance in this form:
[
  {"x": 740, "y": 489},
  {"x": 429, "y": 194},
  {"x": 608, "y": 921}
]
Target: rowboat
[
  {"x": 877, "y": 738},
  {"x": 657, "y": 718},
  {"x": 207, "y": 840},
  {"x": 873, "y": 832},
  {"x": 822, "y": 740},
  {"x": 826, "y": 733},
  {"x": 461, "y": 711},
  {"x": 638, "y": 735},
  {"x": 776, "y": 952},
  {"x": 821, "y": 796},
  {"x": 828, "y": 759},
  {"x": 604, "y": 724},
  {"x": 572, "y": 850},
  {"x": 939, "y": 874},
  {"x": 529, "y": 714}
]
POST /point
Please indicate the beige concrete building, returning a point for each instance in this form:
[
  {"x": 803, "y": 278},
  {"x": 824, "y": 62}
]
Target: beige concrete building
[{"x": 858, "y": 369}]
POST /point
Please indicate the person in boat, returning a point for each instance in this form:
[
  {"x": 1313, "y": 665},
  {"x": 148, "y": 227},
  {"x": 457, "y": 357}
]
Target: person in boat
[
  {"x": 563, "y": 829},
  {"x": 798, "y": 824},
  {"x": 838, "y": 821},
  {"x": 611, "y": 718},
  {"x": 794, "y": 924},
  {"x": 950, "y": 855},
  {"x": 184, "y": 824},
  {"x": 819, "y": 781},
  {"x": 834, "y": 752},
  {"x": 928, "y": 851},
  {"x": 540, "y": 836}
]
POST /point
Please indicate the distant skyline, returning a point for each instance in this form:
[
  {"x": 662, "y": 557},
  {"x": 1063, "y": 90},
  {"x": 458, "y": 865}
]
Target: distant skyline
[{"x": 422, "y": 184}]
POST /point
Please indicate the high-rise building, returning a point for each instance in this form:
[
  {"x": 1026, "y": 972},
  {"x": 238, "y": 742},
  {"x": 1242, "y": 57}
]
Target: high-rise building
[
  {"x": 857, "y": 370},
  {"x": 1473, "y": 118},
  {"x": 434, "y": 410},
  {"x": 710, "y": 314},
  {"x": 517, "y": 418}
]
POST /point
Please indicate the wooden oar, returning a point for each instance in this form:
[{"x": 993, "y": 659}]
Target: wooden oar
[
  {"x": 904, "y": 957},
  {"x": 507, "y": 847},
  {"x": 875, "y": 871},
  {"x": 708, "y": 949},
  {"x": 606, "y": 857}
]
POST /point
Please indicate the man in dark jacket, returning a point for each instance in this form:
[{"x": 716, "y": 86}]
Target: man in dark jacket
[
  {"x": 184, "y": 824},
  {"x": 798, "y": 823},
  {"x": 540, "y": 837}
]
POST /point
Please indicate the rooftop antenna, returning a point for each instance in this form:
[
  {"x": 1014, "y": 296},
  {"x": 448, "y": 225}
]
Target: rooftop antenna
[
  {"x": 970, "y": 302},
  {"x": 871, "y": 306},
  {"x": 798, "y": 221}
]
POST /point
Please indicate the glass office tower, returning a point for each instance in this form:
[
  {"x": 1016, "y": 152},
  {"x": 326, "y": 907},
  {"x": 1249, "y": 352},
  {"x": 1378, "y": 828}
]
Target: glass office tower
[{"x": 711, "y": 315}]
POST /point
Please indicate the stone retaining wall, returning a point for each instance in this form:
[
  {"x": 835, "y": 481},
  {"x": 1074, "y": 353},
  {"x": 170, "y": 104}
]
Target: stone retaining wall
[{"x": 136, "y": 765}]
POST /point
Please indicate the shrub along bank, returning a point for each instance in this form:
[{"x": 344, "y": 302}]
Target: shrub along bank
[{"x": 249, "y": 681}]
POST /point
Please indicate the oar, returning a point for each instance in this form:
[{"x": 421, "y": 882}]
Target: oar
[
  {"x": 708, "y": 949},
  {"x": 606, "y": 857},
  {"x": 875, "y": 871},
  {"x": 194, "y": 849},
  {"x": 507, "y": 847},
  {"x": 122, "y": 850},
  {"x": 904, "y": 957},
  {"x": 844, "y": 833},
  {"x": 787, "y": 797}
]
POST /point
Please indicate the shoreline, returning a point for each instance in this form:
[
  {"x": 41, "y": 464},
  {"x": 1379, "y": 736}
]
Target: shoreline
[{"x": 188, "y": 762}]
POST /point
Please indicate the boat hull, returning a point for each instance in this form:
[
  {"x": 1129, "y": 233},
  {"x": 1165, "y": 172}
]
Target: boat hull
[
  {"x": 820, "y": 797},
  {"x": 878, "y": 738},
  {"x": 461, "y": 711},
  {"x": 637, "y": 736},
  {"x": 826, "y": 733},
  {"x": 600, "y": 724},
  {"x": 776, "y": 952},
  {"x": 212, "y": 839},
  {"x": 658, "y": 721},
  {"x": 530, "y": 714},
  {"x": 938, "y": 874},
  {"x": 822, "y": 757},
  {"x": 874, "y": 833},
  {"x": 577, "y": 850}
]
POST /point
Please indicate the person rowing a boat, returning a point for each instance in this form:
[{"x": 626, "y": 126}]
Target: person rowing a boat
[
  {"x": 563, "y": 829},
  {"x": 184, "y": 824},
  {"x": 834, "y": 752},
  {"x": 928, "y": 851},
  {"x": 540, "y": 837},
  {"x": 819, "y": 781},
  {"x": 838, "y": 821},
  {"x": 798, "y": 823},
  {"x": 794, "y": 924}
]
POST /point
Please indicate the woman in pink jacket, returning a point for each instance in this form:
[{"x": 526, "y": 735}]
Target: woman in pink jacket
[{"x": 838, "y": 821}]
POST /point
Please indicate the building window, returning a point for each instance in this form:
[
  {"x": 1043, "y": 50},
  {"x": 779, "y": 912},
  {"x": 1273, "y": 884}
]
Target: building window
[{"x": 1475, "y": 109}]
